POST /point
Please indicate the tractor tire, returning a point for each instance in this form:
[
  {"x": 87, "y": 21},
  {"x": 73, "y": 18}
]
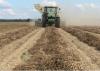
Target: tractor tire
[
  {"x": 43, "y": 22},
  {"x": 57, "y": 22},
  {"x": 43, "y": 25}
]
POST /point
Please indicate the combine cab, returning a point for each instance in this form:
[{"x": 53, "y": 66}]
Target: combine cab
[{"x": 50, "y": 16}]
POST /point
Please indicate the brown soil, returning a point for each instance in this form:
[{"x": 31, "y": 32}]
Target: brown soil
[
  {"x": 55, "y": 52},
  {"x": 89, "y": 38},
  {"x": 34, "y": 48}
]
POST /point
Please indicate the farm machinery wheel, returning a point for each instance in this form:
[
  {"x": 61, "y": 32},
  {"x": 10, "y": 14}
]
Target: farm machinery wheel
[{"x": 57, "y": 22}]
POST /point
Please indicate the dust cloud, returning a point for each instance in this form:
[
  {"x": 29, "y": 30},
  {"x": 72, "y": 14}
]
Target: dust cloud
[{"x": 73, "y": 15}]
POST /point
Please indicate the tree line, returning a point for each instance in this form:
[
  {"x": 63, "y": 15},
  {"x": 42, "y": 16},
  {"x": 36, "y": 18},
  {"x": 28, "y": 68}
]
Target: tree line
[{"x": 15, "y": 20}]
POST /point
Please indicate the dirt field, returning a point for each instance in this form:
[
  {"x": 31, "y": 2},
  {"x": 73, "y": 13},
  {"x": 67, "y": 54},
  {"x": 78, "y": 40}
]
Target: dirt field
[
  {"x": 35, "y": 48},
  {"x": 10, "y": 26}
]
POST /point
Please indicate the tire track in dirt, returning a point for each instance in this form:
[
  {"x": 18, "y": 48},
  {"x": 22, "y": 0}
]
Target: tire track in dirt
[
  {"x": 87, "y": 37},
  {"x": 12, "y": 57},
  {"x": 85, "y": 62},
  {"x": 93, "y": 29},
  {"x": 14, "y": 35},
  {"x": 88, "y": 50},
  {"x": 54, "y": 52},
  {"x": 8, "y": 49}
]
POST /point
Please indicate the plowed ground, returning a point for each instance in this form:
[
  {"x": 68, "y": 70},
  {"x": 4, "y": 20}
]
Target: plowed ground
[{"x": 35, "y": 48}]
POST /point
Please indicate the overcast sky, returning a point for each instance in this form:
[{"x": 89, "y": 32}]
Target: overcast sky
[{"x": 75, "y": 11}]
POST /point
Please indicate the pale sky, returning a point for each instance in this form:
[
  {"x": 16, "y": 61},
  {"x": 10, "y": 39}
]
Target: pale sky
[{"x": 74, "y": 11}]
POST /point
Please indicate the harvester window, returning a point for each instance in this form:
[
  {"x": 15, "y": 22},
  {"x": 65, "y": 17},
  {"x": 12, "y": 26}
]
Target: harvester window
[{"x": 51, "y": 10}]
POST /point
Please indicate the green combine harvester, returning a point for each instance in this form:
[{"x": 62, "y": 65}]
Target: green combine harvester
[{"x": 50, "y": 15}]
